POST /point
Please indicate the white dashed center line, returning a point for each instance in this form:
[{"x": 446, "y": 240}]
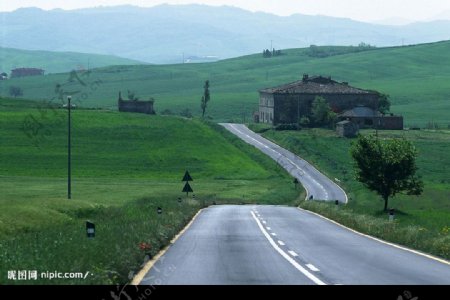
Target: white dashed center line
[
  {"x": 312, "y": 268},
  {"x": 292, "y": 261},
  {"x": 274, "y": 234},
  {"x": 281, "y": 243},
  {"x": 268, "y": 228},
  {"x": 284, "y": 156}
]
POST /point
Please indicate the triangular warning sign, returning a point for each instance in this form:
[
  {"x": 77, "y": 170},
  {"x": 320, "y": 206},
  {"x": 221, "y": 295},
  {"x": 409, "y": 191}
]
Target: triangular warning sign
[
  {"x": 187, "y": 177},
  {"x": 187, "y": 189}
]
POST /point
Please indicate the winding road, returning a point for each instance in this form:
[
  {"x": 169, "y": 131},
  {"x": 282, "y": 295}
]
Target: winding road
[
  {"x": 316, "y": 184},
  {"x": 261, "y": 244}
]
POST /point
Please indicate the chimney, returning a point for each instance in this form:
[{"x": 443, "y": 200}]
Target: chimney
[{"x": 305, "y": 77}]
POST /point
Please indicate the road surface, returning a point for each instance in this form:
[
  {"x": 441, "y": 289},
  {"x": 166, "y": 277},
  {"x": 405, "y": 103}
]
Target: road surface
[
  {"x": 285, "y": 245},
  {"x": 252, "y": 244},
  {"x": 317, "y": 185}
]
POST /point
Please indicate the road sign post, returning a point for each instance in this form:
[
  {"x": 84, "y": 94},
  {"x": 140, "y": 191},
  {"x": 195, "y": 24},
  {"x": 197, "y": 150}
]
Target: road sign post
[{"x": 187, "y": 189}]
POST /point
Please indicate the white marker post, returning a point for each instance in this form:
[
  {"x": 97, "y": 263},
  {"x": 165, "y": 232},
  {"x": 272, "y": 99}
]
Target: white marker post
[
  {"x": 391, "y": 215},
  {"x": 90, "y": 229}
]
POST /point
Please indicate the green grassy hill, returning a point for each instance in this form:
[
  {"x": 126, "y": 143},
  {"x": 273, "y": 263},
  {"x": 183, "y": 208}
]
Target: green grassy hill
[
  {"x": 416, "y": 77},
  {"x": 56, "y": 62},
  {"x": 124, "y": 166}
]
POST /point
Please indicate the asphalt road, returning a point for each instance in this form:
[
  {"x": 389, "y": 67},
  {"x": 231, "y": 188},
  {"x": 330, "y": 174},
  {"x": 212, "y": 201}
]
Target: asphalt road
[
  {"x": 284, "y": 245},
  {"x": 317, "y": 185}
]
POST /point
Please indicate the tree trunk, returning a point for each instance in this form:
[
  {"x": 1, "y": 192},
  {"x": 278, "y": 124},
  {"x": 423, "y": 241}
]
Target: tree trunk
[{"x": 385, "y": 203}]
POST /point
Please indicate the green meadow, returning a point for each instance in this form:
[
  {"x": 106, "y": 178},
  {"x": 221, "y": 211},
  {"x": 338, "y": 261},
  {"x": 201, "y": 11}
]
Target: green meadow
[
  {"x": 416, "y": 77},
  {"x": 124, "y": 166},
  {"x": 423, "y": 222},
  {"x": 56, "y": 62}
]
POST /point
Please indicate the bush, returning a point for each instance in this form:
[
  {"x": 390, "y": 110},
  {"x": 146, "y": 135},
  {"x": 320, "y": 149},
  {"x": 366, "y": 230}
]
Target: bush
[
  {"x": 287, "y": 127},
  {"x": 167, "y": 112},
  {"x": 186, "y": 113}
]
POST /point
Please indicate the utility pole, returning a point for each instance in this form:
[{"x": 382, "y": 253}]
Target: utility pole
[{"x": 69, "y": 187}]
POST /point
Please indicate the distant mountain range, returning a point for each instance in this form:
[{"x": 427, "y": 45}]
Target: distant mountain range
[
  {"x": 57, "y": 62},
  {"x": 171, "y": 33}
]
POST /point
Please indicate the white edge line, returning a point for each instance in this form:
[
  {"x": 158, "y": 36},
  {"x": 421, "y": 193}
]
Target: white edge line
[
  {"x": 140, "y": 276},
  {"x": 362, "y": 234},
  {"x": 286, "y": 256},
  {"x": 307, "y": 191},
  {"x": 379, "y": 240}
]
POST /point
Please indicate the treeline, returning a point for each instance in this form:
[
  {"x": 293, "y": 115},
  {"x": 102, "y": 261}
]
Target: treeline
[
  {"x": 268, "y": 54},
  {"x": 326, "y": 51}
]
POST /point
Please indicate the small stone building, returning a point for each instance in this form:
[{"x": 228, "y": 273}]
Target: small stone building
[
  {"x": 137, "y": 106},
  {"x": 23, "y": 72},
  {"x": 366, "y": 117},
  {"x": 347, "y": 129}
]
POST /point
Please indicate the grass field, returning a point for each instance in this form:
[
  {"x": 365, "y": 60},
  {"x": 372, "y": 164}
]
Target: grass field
[
  {"x": 56, "y": 62},
  {"x": 428, "y": 213},
  {"x": 416, "y": 77},
  {"x": 124, "y": 167}
]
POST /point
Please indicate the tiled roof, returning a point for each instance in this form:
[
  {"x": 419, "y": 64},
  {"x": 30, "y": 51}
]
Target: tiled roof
[{"x": 316, "y": 85}]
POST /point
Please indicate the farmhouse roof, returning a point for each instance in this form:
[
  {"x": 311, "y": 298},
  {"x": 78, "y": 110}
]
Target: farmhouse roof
[
  {"x": 316, "y": 85},
  {"x": 27, "y": 69}
]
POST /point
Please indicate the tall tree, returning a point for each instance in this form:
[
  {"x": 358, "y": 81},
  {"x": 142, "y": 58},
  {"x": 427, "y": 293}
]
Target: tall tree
[
  {"x": 321, "y": 112},
  {"x": 205, "y": 97},
  {"x": 384, "y": 104},
  {"x": 386, "y": 167},
  {"x": 15, "y": 91}
]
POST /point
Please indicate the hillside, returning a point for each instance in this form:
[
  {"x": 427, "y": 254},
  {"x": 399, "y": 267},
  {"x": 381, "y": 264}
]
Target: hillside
[
  {"x": 56, "y": 62},
  {"x": 124, "y": 166},
  {"x": 416, "y": 77},
  {"x": 162, "y": 34}
]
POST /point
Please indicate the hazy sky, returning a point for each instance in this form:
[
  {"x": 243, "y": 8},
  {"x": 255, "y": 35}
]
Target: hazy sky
[{"x": 365, "y": 10}]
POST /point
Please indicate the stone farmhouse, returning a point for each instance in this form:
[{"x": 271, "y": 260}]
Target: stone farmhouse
[{"x": 287, "y": 103}]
